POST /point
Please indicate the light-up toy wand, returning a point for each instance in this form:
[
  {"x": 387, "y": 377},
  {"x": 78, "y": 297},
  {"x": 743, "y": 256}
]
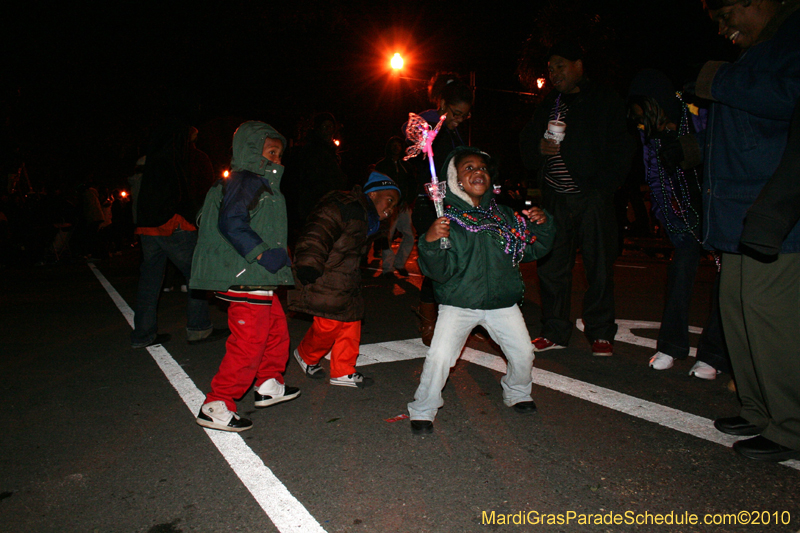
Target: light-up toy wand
[{"x": 419, "y": 132}]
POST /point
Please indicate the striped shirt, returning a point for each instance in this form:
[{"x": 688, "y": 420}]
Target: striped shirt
[{"x": 555, "y": 170}]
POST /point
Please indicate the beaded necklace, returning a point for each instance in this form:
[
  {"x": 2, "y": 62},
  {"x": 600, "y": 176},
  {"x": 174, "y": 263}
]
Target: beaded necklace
[
  {"x": 675, "y": 187},
  {"x": 512, "y": 236}
]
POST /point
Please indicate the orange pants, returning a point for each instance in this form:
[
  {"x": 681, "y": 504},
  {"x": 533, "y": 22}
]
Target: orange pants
[{"x": 342, "y": 339}]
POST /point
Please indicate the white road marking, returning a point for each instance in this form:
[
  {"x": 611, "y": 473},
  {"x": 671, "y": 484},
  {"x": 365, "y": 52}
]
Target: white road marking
[
  {"x": 285, "y": 511},
  {"x": 624, "y": 333},
  {"x": 288, "y": 514},
  {"x": 697, "y": 426}
]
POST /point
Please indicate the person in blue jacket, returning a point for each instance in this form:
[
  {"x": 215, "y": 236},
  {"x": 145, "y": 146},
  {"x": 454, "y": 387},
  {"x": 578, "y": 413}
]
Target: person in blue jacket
[{"x": 753, "y": 100}]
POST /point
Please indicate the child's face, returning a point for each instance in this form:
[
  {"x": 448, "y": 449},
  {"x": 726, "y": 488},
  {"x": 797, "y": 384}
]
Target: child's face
[
  {"x": 273, "y": 149},
  {"x": 474, "y": 177},
  {"x": 384, "y": 201}
]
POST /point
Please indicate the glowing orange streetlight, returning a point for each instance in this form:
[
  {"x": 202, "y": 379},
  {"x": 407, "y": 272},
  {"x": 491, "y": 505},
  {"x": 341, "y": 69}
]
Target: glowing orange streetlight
[{"x": 397, "y": 61}]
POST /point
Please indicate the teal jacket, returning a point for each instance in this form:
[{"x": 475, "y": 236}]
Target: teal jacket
[
  {"x": 476, "y": 273},
  {"x": 252, "y": 220}
]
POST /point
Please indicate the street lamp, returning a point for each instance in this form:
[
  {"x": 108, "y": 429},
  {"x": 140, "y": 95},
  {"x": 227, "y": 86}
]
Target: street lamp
[{"x": 397, "y": 61}]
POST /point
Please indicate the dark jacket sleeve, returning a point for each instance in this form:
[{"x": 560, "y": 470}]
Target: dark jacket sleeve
[
  {"x": 776, "y": 211},
  {"x": 324, "y": 227},
  {"x": 545, "y": 236},
  {"x": 234, "y": 215}
]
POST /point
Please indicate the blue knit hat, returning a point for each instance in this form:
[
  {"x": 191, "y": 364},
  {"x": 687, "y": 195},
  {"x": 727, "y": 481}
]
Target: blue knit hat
[{"x": 379, "y": 182}]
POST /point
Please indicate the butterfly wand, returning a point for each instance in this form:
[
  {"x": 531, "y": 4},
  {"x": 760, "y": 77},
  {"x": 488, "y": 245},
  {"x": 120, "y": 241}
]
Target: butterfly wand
[{"x": 419, "y": 132}]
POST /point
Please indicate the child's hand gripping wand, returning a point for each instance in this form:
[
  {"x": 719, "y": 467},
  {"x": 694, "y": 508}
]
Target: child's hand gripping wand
[{"x": 419, "y": 132}]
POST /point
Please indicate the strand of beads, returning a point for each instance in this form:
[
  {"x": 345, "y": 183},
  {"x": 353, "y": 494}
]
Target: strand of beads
[
  {"x": 675, "y": 191},
  {"x": 513, "y": 236}
]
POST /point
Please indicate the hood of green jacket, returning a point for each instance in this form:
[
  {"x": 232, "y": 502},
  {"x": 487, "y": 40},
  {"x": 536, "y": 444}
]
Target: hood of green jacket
[
  {"x": 454, "y": 195},
  {"x": 248, "y": 145}
]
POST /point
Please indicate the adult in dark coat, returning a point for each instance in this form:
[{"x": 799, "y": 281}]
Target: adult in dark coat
[{"x": 578, "y": 178}]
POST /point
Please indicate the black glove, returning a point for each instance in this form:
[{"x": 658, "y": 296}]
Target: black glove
[
  {"x": 307, "y": 275},
  {"x": 274, "y": 259}
]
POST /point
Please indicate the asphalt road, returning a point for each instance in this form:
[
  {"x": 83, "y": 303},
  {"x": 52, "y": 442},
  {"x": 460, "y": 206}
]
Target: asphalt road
[{"x": 98, "y": 437}]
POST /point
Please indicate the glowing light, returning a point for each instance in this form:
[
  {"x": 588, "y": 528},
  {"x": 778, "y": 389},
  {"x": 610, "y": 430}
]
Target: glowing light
[
  {"x": 336, "y": 142},
  {"x": 397, "y": 61},
  {"x": 225, "y": 173},
  {"x": 124, "y": 194},
  {"x": 540, "y": 82}
]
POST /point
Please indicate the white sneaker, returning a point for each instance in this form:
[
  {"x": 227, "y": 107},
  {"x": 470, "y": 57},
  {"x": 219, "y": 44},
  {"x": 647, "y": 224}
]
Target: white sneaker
[
  {"x": 661, "y": 361},
  {"x": 704, "y": 371},
  {"x": 215, "y": 415},
  {"x": 356, "y": 379},
  {"x": 272, "y": 391}
]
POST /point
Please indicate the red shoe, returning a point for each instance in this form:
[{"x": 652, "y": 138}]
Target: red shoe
[
  {"x": 601, "y": 348},
  {"x": 540, "y": 344}
]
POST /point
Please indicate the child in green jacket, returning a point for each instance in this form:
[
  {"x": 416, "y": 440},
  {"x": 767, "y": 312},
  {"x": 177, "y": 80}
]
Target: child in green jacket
[
  {"x": 477, "y": 282},
  {"x": 241, "y": 254}
]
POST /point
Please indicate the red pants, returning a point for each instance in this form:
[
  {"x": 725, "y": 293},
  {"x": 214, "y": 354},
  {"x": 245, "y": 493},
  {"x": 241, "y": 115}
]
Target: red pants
[
  {"x": 257, "y": 349},
  {"x": 342, "y": 339}
]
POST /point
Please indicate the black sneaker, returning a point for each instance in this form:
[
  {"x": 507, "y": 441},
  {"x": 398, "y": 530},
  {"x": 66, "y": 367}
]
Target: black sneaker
[
  {"x": 525, "y": 408},
  {"x": 271, "y": 392},
  {"x": 161, "y": 338},
  {"x": 216, "y": 334},
  {"x": 215, "y": 415},
  {"x": 356, "y": 379},
  {"x": 421, "y": 427},
  {"x": 312, "y": 371}
]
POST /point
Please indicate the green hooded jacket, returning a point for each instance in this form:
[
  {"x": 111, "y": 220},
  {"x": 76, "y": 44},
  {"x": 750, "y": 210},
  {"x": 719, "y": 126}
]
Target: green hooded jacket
[
  {"x": 255, "y": 218},
  {"x": 476, "y": 273}
]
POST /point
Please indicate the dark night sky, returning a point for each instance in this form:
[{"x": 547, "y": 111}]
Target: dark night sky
[{"x": 82, "y": 85}]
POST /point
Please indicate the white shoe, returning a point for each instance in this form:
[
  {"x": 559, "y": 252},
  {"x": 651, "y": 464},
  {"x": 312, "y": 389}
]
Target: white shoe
[
  {"x": 271, "y": 392},
  {"x": 215, "y": 415},
  {"x": 704, "y": 371},
  {"x": 356, "y": 379},
  {"x": 661, "y": 361}
]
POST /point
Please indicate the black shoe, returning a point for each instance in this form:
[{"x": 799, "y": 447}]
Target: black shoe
[
  {"x": 525, "y": 408},
  {"x": 761, "y": 448},
  {"x": 421, "y": 427},
  {"x": 265, "y": 400},
  {"x": 736, "y": 425},
  {"x": 403, "y": 272},
  {"x": 215, "y": 335},
  {"x": 161, "y": 338}
]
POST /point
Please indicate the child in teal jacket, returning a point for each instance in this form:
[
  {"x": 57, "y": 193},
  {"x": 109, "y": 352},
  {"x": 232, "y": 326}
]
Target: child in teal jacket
[{"x": 477, "y": 282}]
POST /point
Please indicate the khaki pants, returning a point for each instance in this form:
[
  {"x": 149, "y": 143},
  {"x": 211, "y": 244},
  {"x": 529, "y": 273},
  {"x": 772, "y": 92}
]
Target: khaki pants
[{"x": 760, "y": 306}]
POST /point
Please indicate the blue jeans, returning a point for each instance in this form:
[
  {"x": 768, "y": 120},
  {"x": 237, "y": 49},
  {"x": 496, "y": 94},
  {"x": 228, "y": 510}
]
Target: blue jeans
[
  {"x": 507, "y": 328},
  {"x": 673, "y": 338},
  {"x": 178, "y": 248},
  {"x": 401, "y": 223}
]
